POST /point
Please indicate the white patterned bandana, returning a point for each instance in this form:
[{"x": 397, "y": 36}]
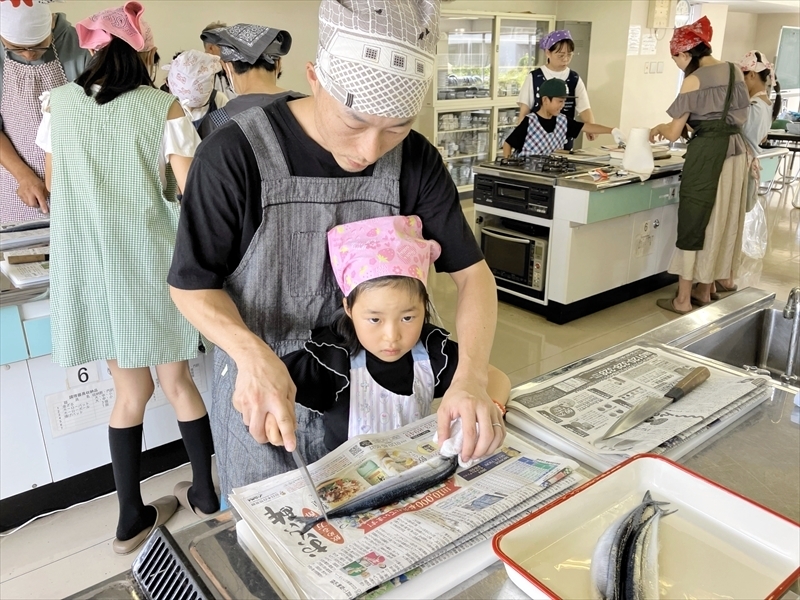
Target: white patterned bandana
[
  {"x": 377, "y": 56},
  {"x": 191, "y": 77}
]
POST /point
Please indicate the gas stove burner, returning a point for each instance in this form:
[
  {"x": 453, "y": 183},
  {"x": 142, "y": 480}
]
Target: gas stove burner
[
  {"x": 511, "y": 161},
  {"x": 539, "y": 163}
]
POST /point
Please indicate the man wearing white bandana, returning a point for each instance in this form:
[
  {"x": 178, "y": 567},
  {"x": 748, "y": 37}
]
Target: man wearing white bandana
[
  {"x": 40, "y": 52},
  {"x": 250, "y": 268}
]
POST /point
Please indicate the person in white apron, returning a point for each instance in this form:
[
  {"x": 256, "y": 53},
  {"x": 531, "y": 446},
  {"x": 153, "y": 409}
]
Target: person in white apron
[
  {"x": 549, "y": 129},
  {"x": 380, "y": 364},
  {"x": 40, "y": 53}
]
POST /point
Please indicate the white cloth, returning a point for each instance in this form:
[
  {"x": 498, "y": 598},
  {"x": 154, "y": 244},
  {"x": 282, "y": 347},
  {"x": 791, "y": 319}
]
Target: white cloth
[
  {"x": 452, "y": 445},
  {"x": 527, "y": 98},
  {"x": 25, "y": 25},
  {"x": 191, "y": 77},
  {"x": 180, "y": 138},
  {"x": 759, "y": 120}
]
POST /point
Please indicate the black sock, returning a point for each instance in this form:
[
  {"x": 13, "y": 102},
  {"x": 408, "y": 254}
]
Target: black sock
[
  {"x": 200, "y": 446},
  {"x": 126, "y": 453}
]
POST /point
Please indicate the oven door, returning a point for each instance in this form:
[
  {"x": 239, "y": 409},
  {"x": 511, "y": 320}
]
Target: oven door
[{"x": 508, "y": 255}]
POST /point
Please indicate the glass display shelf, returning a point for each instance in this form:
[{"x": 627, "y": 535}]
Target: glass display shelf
[
  {"x": 462, "y": 138},
  {"x": 518, "y": 53},
  {"x": 464, "y": 57},
  {"x": 506, "y": 122}
]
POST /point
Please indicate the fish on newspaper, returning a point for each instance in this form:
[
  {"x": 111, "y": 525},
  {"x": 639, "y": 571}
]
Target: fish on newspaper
[
  {"x": 625, "y": 560},
  {"x": 392, "y": 489}
]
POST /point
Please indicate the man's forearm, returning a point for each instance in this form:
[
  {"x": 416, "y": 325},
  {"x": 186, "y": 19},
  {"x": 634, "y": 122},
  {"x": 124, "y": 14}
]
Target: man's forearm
[
  {"x": 215, "y": 315},
  {"x": 476, "y": 320},
  {"x": 10, "y": 160}
]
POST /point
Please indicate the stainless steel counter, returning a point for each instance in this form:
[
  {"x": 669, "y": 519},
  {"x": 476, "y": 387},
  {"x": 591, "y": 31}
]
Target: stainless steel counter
[{"x": 758, "y": 458}]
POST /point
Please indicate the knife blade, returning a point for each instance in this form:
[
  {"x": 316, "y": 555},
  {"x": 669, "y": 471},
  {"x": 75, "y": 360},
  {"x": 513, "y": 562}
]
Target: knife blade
[
  {"x": 301, "y": 466},
  {"x": 647, "y": 408}
]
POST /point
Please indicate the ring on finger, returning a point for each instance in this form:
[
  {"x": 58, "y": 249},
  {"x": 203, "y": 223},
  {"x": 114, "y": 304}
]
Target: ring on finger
[{"x": 497, "y": 425}]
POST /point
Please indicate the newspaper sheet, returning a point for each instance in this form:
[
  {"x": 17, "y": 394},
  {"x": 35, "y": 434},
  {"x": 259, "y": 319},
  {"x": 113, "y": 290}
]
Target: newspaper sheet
[
  {"x": 349, "y": 556},
  {"x": 582, "y": 404}
]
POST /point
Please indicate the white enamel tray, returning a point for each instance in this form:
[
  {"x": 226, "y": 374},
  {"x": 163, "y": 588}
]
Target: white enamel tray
[{"x": 718, "y": 545}]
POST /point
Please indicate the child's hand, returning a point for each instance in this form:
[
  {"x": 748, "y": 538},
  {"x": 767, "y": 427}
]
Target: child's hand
[
  {"x": 265, "y": 395},
  {"x": 468, "y": 400}
]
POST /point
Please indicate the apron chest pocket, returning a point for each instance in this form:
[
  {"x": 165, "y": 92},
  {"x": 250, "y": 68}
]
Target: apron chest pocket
[{"x": 311, "y": 273}]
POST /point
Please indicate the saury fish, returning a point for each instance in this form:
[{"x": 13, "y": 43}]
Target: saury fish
[
  {"x": 415, "y": 480},
  {"x": 608, "y": 561},
  {"x": 641, "y": 574}
]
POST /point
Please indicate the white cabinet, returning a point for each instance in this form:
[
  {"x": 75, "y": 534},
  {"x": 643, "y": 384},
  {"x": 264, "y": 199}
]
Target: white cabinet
[
  {"x": 23, "y": 457},
  {"x": 75, "y": 428}
]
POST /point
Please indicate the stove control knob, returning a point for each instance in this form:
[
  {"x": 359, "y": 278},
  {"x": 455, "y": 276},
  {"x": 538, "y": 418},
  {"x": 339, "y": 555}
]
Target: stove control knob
[
  {"x": 656, "y": 223},
  {"x": 479, "y": 220}
]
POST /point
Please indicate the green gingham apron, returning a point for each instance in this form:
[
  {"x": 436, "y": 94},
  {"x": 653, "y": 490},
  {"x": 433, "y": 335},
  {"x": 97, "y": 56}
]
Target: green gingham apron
[{"x": 113, "y": 232}]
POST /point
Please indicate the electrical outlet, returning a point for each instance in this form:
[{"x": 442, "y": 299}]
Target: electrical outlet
[{"x": 646, "y": 68}]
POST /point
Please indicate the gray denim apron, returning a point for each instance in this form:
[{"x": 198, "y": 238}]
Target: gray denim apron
[{"x": 284, "y": 287}]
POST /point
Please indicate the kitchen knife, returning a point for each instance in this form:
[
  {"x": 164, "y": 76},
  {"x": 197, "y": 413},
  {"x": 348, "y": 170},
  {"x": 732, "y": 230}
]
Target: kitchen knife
[
  {"x": 647, "y": 408},
  {"x": 301, "y": 466}
]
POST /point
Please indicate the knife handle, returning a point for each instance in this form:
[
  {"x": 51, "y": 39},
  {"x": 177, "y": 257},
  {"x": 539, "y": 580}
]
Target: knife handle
[{"x": 688, "y": 383}]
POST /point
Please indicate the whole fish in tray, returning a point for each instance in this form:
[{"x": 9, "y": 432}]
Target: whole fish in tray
[
  {"x": 415, "y": 480},
  {"x": 625, "y": 560}
]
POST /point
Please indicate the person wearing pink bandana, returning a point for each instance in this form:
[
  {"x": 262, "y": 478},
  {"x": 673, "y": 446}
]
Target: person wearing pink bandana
[
  {"x": 117, "y": 151},
  {"x": 713, "y": 103},
  {"x": 379, "y": 365}
]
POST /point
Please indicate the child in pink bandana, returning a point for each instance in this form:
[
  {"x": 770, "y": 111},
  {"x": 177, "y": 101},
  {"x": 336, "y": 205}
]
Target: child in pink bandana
[{"x": 381, "y": 363}]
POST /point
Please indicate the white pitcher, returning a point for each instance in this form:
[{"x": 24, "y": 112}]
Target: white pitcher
[{"x": 638, "y": 156}]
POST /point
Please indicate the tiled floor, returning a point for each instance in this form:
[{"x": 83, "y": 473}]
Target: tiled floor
[{"x": 66, "y": 552}]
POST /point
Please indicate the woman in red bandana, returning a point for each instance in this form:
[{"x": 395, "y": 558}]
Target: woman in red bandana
[{"x": 713, "y": 103}]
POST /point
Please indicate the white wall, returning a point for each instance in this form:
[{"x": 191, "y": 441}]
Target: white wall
[
  {"x": 740, "y": 36},
  {"x": 768, "y": 31},
  {"x": 718, "y": 15},
  {"x": 610, "y": 19},
  {"x": 646, "y": 96}
]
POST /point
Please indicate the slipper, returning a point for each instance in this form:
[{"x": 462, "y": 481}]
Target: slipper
[
  {"x": 725, "y": 289},
  {"x": 667, "y": 304},
  {"x": 165, "y": 508},
  {"x": 181, "y": 492},
  {"x": 700, "y": 303}
]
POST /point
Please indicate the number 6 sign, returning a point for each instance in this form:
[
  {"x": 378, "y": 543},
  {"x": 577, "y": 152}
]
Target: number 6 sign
[{"x": 82, "y": 374}]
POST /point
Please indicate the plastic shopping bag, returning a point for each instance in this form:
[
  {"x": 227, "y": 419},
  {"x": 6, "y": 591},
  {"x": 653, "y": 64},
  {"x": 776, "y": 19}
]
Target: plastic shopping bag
[
  {"x": 754, "y": 247},
  {"x": 754, "y": 237}
]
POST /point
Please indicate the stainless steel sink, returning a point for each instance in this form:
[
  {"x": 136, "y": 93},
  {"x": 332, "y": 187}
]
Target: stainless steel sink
[{"x": 757, "y": 340}]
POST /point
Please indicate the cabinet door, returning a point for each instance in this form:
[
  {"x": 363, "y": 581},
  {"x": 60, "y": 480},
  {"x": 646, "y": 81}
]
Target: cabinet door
[
  {"x": 23, "y": 457},
  {"x": 74, "y": 407},
  {"x": 646, "y": 232}
]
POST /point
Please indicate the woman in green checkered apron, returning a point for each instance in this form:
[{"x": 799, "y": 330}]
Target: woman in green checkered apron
[{"x": 117, "y": 149}]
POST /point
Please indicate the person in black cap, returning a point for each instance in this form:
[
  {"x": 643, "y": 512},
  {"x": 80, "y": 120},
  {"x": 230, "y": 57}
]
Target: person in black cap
[
  {"x": 251, "y": 58},
  {"x": 548, "y": 129}
]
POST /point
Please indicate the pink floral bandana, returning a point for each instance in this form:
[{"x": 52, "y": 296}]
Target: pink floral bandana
[{"x": 380, "y": 247}]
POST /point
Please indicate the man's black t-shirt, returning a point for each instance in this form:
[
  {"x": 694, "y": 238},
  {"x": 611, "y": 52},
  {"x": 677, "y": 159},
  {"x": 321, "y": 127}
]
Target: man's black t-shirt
[
  {"x": 221, "y": 207},
  {"x": 516, "y": 138}
]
